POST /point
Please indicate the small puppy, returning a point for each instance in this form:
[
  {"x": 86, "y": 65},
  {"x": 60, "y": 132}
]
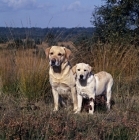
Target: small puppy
[
  {"x": 89, "y": 85},
  {"x": 61, "y": 76}
]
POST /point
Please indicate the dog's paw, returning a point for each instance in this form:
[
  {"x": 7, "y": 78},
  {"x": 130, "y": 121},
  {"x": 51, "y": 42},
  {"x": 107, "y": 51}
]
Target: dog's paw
[
  {"x": 54, "y": 110},
  {"x": 90, "y": 113},
  {"x": 75, "y": 109},
  {"x": 77, "y": 112}
]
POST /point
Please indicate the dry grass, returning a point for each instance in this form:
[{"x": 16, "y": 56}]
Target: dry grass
[
  {"x": 26, "y": 111},
  {"x": 23, "y": 72},
  {"x": 118, "y": 60}
]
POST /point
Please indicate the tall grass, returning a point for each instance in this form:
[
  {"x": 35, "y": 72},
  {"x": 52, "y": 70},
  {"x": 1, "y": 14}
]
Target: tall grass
[
  {"x": 26, "y": 75},
  {"x": 23, "y": 72},
  {"x": 119, "y": 60}
]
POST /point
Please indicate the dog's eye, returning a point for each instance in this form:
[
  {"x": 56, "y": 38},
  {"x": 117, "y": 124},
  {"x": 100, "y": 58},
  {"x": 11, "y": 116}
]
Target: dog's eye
[
  {"x": 51, "y": 53},
  {"x": 59, "y": 54},
  {"x": 84, "y": 70},
  {"x": 78, "y": 69}
]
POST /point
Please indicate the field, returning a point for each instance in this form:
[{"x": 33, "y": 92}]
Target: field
[{"x": 26, "y": 101}]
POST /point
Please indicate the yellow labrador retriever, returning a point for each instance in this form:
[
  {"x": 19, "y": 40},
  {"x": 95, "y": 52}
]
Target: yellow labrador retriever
[
  {"x": 61, "y": 76},
  {"x": 89, "y": 85}
]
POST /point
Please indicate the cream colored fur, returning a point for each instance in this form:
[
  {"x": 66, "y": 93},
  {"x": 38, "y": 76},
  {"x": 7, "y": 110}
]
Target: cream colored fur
[
  {"x": 61, "y": 76},
  {"x": 89, "y": 85}
]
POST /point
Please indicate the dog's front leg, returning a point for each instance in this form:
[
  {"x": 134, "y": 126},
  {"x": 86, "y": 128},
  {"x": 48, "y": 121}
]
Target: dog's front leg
[
  {"x": 80, "y": 98},
  {"x": 56, "y": 98},
  {"x": 74, "y": 98}
]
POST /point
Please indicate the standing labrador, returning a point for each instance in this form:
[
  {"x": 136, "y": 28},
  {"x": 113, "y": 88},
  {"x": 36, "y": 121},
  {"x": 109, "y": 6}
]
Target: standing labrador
[
  {"x": 61, "y": 76},
  {"x": 89, "y": 85}
]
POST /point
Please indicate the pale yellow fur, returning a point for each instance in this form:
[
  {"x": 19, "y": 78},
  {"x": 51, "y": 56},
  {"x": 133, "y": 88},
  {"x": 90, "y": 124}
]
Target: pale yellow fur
[{"x": 61, "y": 76}]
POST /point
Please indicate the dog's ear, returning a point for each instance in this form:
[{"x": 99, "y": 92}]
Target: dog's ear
[
  {"x": 68, "y": 53},
  {"x": 90, "y": 68},
  {"x": 74, "y": 69},
  {"x": 47, "y": 51}
]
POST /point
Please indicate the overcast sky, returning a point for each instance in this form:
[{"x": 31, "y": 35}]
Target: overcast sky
[{"x": 47, "y": 13}]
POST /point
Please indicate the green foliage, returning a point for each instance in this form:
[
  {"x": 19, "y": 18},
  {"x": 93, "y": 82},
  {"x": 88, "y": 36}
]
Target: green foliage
[{"x": 116, "y": 20}]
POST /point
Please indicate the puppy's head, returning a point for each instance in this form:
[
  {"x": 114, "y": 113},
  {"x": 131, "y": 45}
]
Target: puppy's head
[
  {"x": 57, "y": 55},
  {"x": 82, "y": 70}
]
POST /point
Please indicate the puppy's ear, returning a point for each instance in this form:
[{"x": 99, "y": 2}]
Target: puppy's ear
[
  {"x": 68, "y": 53},
  {"x": 47, "y": 51},
  {"x": 74, "y": 69}
]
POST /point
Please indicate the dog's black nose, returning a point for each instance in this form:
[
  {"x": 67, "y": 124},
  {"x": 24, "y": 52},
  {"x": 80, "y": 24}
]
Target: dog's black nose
[
  {"x": 81, "y": 76},
  {"x": 53, "y": 61}
]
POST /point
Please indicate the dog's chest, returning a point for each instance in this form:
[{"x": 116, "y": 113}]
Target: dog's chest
[
  {"x": 62, "y": 83},
  {"x": 61, "y": 88},
  {"x": 87, "y": 89},
  {"x": 81, "y": 89}
]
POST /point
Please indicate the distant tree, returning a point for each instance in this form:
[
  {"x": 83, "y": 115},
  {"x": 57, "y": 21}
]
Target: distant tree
[
  {"x": 38, "y": 41},
  {"x": 18, "y": 43},
  {"x": 50, "y": 39},
  {"x": 3, "y": 40},
  {"x": 116, "y": 19},
  {"x": 29, "y": 43},
  {"x": 83, "y": 42}
]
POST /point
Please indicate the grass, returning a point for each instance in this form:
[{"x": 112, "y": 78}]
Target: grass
[
  {"x": 23, "y": 72},
  {"x": 26, "y": 102}
]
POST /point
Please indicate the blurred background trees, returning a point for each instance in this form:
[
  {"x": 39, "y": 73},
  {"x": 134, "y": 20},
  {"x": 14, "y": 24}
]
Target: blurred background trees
[{"x": 116, "y": 20}]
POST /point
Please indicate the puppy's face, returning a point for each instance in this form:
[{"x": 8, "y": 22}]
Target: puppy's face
[
  {"x": 57, "y": 55},
  {"x": 82, "y": 70}
]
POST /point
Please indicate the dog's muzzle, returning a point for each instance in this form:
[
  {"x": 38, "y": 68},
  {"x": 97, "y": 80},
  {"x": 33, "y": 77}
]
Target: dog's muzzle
[
  {"x": 81, "y": 77},
  {"x": 53, "y": 62}
]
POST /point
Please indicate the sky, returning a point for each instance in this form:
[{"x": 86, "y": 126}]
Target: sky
[{"x": 47, "y": 13}]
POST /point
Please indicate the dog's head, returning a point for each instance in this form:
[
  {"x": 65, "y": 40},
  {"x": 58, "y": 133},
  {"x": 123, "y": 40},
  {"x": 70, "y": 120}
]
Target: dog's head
[
  {"x": 57, "y": 55},
  {"x": 82, "y": 70}
]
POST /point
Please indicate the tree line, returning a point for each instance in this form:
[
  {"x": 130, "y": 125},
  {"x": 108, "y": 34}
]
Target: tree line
[
  {"x": 115, "y": 21},
  {"x": 44, "y": 34}
]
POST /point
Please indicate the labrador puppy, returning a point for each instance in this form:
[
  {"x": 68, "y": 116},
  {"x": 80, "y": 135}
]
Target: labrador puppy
[
  {"x": 89, "y": 85},
  {"x": 61, "y": 76}
]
